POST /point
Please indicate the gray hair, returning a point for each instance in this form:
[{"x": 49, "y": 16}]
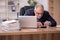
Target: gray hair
[{"x": 39, "y": 5}]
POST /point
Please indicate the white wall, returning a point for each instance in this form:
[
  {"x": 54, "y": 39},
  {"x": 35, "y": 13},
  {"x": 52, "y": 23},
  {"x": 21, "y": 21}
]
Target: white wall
[{"x": 44, "y": 2}]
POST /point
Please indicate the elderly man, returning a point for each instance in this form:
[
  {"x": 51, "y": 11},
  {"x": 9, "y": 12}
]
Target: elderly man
[{"x": 43, "y": 17}]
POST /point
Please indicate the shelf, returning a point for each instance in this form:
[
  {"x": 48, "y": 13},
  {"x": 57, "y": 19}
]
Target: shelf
[
  {"x": 3, "y": 15},
  {"x": 2, "y": 3},
  {"x": 2, "y": 6},
  {"x": 5, "y": 10}
]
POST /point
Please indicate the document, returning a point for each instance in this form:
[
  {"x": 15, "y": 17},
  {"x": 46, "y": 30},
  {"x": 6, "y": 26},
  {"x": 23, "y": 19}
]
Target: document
[{"x": 11, "y": 25}]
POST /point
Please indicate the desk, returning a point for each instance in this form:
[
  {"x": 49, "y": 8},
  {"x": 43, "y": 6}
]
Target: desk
[
  {"x": 31, "y": 31},
  {"x": 31, "y": 34}
]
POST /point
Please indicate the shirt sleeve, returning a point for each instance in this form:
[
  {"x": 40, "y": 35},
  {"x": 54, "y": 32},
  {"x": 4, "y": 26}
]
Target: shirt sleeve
[{"x": 49, "y": 18}]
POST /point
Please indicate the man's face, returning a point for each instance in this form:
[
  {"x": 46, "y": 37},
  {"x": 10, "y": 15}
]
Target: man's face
[{"x": 39, "y": 12}]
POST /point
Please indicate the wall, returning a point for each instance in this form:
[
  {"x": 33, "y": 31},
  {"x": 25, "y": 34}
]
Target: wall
[
  {"x": 44, "y": 2},
  {"x": 57, "y": 10}
]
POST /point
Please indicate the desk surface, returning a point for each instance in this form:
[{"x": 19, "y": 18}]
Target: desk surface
[{"x": 31, "y": 31}]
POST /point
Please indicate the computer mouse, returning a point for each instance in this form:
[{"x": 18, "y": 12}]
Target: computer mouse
[{"x": 43, "y": 26}]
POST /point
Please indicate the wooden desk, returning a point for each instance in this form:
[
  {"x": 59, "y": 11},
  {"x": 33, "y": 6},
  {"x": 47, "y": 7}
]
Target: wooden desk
[
  {"x": 31, "y": 34},
  {"x": 31, "y": 31}
]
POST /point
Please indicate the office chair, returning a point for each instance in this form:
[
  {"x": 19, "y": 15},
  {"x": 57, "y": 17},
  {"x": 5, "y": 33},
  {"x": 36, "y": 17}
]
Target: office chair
[{"x": 23, "y": 9}]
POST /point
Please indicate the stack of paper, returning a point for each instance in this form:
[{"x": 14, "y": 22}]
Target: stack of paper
[{"x": 11, "y": 25}]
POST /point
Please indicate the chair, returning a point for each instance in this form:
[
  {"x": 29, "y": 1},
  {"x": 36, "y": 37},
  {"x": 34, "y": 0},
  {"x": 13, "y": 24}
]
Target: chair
[{"x": 23, "y": 9}]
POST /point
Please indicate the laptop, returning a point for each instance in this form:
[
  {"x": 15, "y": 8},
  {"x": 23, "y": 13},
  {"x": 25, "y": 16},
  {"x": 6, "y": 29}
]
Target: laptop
[{"x": 28, "y": 21}]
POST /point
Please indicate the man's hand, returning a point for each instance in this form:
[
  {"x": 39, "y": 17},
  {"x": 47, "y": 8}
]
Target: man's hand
[
  {"x": 47, "y": 23},
  {"x": 39, "y": 24}
]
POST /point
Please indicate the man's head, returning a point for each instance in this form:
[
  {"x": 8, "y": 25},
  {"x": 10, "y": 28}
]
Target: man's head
[{"x": 39, "y": 9}]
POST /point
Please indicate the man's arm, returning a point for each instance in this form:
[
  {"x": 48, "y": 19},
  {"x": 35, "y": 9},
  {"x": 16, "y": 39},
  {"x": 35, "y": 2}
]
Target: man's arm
[{"x": 49, "y": 18}]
